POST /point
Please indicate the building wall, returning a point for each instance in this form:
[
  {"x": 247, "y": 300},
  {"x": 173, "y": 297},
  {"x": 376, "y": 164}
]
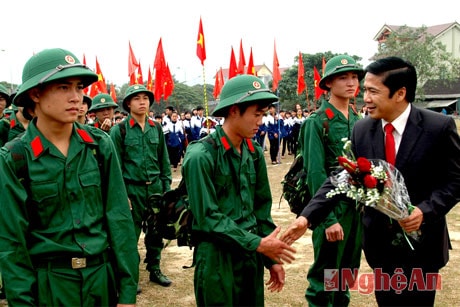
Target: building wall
[{"x": 451, "y": 39}]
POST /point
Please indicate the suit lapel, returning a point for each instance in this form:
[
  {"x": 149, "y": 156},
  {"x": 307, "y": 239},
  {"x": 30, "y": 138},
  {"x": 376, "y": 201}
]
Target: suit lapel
[
  {"x": 411, "y": 134},
  {"x": 377, "y": 139}
]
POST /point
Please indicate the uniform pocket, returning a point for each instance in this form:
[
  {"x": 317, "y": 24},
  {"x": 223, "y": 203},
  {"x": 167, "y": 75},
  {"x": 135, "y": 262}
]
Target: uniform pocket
[
  {"x": 46, "y": 205},
  {"x": 90, "y": 183}
]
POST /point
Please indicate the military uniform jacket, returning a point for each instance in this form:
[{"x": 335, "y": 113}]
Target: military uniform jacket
[
  {"x": 10, "y": 128},
  {"x": 320, "y": 149},
  {"x": 229, "y": 194},
  {"x": 68, "y": 207},
  {"x": 143, "y": 155}
]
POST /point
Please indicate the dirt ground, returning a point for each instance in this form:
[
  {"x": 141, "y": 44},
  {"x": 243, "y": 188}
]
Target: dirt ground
[{"x": 180, "y": 293}]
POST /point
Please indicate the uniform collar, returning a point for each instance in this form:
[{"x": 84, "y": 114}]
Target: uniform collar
[
  {"x": 38, "y": 144},
  {"x": 132, "y": 122}
]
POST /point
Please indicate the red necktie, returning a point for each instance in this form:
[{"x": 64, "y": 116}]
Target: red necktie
[{"x": 390, "y": 149}]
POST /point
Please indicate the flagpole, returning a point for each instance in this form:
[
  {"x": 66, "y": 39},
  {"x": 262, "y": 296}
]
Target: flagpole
[
  {"x": 206, "y": 109},
  {"x": 279, "y": 128}
]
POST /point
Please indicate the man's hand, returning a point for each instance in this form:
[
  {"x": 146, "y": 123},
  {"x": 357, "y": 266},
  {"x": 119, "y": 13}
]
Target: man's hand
[
  {"x": 334, "y": 233},
  {"x": 107, "y": 124},
  {"x": 277, "y": 277},
  {"x": 413, "y": 221},
  {"x": 295, "y": 230},
  {"x": 276, "y": 249}
]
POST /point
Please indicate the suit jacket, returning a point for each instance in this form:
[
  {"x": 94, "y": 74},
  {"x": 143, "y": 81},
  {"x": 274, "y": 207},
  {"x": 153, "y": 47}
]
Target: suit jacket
[{"x": 429, "y": 160}]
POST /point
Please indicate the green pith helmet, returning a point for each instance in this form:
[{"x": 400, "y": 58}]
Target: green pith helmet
[
  {"x": 87, "y": 100},
  {"x": 242, "y": 89},
  {"x": 102, "y": 101},
  {"x": 50, "y": 65},
  {"x": 133, "y": 90},
  {"x": 4, "y": 93},
  {"x": 337, "y": 65}
]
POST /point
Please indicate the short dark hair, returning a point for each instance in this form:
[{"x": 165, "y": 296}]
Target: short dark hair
[{"x": 396, "y": 73}]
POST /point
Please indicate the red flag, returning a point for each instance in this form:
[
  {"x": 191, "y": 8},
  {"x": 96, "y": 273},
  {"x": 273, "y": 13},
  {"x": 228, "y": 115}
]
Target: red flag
[
  {"x": 233, "y": 70},
  {"x": 112, "y": 92},
  {"x": 300, "y": 76},
  {"x": 200, "y": 47},
  {"x": 85, "y": 90},
  {"x": 241, "y": 61},
  {"x": 357, "y": 90},
  {"x": 99, "y": 86},
  {"x": 160, "y": 71},
  {"x": 324, "y": 66},
  {"x": 251, "y": 69},
  {"x": 218, "y": 84},
  {"x": 317, "y": 78},
  {"x": 132, "y": 79},
  {"x": 150, "y": 81},
  {"x": 132, "y": 62},
  {"x": 168, "y": 85},
  {"x": 276, "y": 71},
  {"x": 139, "y": 77}
]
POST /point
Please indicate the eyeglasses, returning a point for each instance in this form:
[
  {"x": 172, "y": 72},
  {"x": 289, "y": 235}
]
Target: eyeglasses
[
  {"x": 60, "y": 68},
  {"x": 250, "y": 93}
]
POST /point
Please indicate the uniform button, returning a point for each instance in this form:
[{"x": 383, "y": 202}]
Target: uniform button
[{"x": 77, "y": 221}]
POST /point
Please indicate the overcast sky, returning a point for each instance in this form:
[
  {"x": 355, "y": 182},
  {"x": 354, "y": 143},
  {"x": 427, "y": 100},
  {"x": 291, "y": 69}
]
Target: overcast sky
[{"x": 104, "y": 28}]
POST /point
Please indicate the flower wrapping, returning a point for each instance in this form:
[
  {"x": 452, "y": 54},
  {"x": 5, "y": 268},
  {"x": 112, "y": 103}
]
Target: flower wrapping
[{"x": 373, "y": 183}]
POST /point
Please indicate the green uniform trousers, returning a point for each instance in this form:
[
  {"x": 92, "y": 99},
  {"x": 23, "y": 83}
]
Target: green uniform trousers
[
  {"x": 334, "y": 255},
  {"x": 90, "y": 286},
  {"x": 228, "y": 278},
  {"x": 138, "y": 194}
]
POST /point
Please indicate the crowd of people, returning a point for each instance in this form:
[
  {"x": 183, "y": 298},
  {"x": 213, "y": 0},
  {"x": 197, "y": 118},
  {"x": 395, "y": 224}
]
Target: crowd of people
[{"x": 77, "y": 174}]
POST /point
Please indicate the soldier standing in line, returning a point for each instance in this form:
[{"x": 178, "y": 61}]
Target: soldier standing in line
[
  {"x": 144, "y": 160},
  {"x": 67, "y": 235}
]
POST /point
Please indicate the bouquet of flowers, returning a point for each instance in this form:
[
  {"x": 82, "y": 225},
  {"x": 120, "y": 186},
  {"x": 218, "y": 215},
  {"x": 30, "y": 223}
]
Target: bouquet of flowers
[{"x": 374, "y": 183}]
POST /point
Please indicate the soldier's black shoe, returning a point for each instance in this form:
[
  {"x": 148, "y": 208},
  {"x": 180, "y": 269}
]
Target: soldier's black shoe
[{"x": 157, "y": 277}]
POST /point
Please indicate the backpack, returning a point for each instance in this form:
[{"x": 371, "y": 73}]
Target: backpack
[
  {"x": 294, "y": 186},
  {"x": 170, "y": 212}
]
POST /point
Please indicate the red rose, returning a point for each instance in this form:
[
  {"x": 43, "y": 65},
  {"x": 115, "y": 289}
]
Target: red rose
[
  {"x": 364, "y": 165},
  {"x": 370, "y": 181},
  {"x": 347, "y": 164}
]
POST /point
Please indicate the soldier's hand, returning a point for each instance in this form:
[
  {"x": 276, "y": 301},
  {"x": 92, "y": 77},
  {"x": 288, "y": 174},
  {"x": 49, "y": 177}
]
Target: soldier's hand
[
  {"x": 277, "y": 278},
  {"x": 276, "y": 249},
  {"x": 106, "y": 125},
  {"x": 295, "y": 230},
  {"x": 334, "y": 233}
]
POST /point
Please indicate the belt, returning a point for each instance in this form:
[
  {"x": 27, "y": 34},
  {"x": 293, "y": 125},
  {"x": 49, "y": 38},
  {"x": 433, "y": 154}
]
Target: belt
[
  {"x": 72, "y": 262},
  {"x": 135, "y": 182}
]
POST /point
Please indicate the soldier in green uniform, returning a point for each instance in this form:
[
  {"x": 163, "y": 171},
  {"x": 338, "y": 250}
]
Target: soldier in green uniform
[
  {"x": 104, "y": 107},
  {"x": 14, "y": 125},
  {"x": 85, "y": 106},
  {"x": 4, "y": 100},
  {"x": 337, "y": 241},
  {"x": 144, "y": 160},
  {"x": 67, "y": 235},
  {"x": 230, "y": 198}
]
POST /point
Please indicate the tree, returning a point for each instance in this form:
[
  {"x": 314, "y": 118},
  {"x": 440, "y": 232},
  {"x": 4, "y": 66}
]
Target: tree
[{"x": 429, "y": 57}]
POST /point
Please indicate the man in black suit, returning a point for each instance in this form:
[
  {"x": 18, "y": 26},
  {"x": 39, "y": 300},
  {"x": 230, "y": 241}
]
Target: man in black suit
[{"x": 428, "y": 156}]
